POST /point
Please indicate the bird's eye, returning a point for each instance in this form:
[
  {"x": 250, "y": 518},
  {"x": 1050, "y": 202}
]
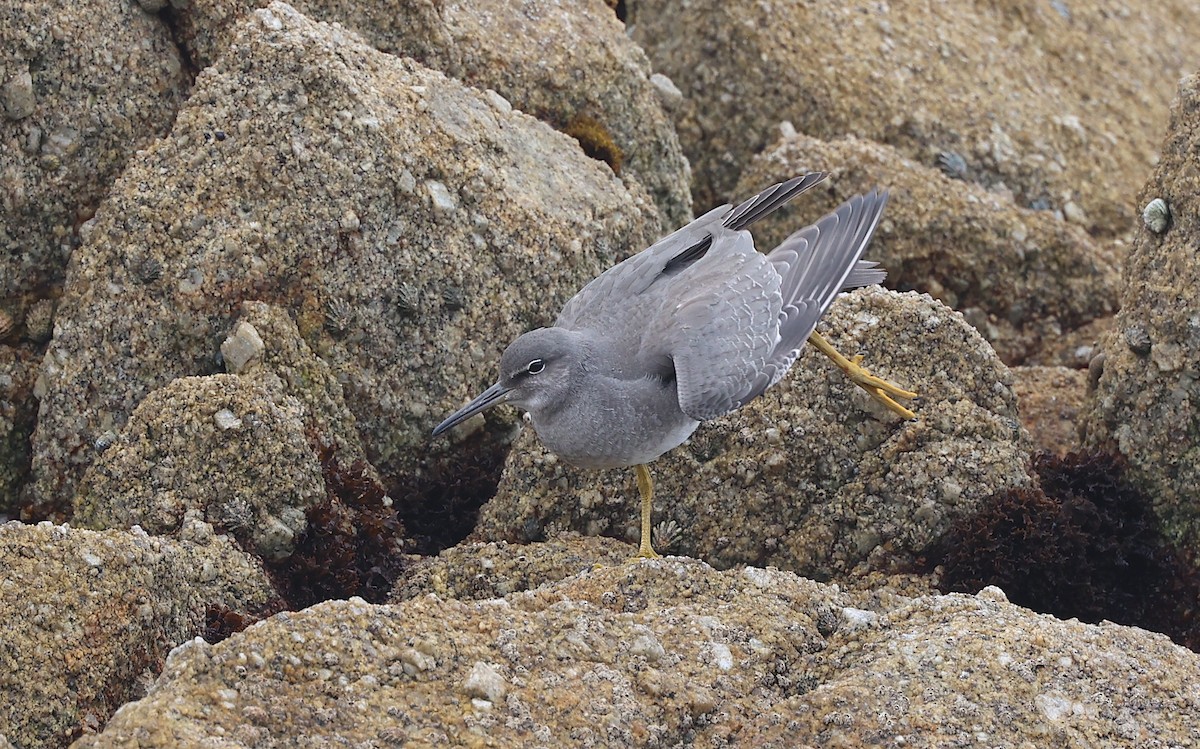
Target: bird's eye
[{"x": 535, "y": 367}]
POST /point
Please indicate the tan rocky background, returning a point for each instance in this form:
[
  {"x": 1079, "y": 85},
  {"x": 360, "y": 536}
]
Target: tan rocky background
[{"x": 253, "y": 253}]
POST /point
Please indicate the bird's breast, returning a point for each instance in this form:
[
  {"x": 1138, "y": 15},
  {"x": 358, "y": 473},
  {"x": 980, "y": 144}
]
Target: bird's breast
[{"x": 616, "y": 423}]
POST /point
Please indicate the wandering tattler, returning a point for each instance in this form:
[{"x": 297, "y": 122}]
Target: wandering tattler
[{"x": 691, "y": 328}]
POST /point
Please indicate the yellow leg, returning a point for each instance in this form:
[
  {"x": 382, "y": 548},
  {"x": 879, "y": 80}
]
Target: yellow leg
[
  {"x": 880, "y": 389},
  {"x": 646, "y": 489}
]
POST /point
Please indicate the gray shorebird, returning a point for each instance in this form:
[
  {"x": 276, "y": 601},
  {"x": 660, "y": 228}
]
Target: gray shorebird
[{"x": 691, "y": 328}]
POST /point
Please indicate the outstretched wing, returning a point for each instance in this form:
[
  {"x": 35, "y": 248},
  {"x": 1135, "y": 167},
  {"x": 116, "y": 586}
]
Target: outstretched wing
[
  {"x": 739, "y": 337},
  {"x": 612, "y": 301}
]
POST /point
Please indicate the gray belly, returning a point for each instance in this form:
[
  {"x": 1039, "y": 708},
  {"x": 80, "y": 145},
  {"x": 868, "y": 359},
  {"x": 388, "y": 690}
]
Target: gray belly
[{"x": 602, "y": 431}]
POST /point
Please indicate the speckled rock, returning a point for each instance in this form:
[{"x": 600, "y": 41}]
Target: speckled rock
[
  {"x": 89, "y": 617},
  {"x": 222, "y": 444},
  {"x": 1051, "y": 400},
  {"x": 494, "y": 570},
  {"x": 814, "y": 477},
  {"x": 82, "y": 87},
  {"x": 473, "y": 571},
  {"x": 977, "y": 671},
  {"x": 1062, "y": 102},
  {"x": 1147, "y": 400},
  {"x": 18, "y": 413},
  {"x": 240, "y": 448},
  {"x": 670, "y": 653},
  {"x": 1020, "y": 276},
  {"x": 410, "y": 226},
  {"x": 285, "y": 362},
  {"x": 567, "y": 62}
]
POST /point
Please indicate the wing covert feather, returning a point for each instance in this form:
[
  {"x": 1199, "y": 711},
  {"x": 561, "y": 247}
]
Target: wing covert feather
[{"x": 723, "y": 329}]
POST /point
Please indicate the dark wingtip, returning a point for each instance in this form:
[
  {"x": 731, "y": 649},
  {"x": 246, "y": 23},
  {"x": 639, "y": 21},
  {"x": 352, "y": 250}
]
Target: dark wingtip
[{"x": 772, "y": 198}]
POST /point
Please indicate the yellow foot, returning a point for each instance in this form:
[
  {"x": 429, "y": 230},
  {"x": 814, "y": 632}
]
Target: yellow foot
[
  {"x": 879, "y": 389},
  {"x": 646, "y": 489}
]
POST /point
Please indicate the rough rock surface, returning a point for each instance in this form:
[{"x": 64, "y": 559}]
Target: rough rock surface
[
  {"x": 1011, "y": 90},
  {"x": 83, "y": 85},
  {"x": 567, "y": 62},
  {"x": 494, "y": 570},
  {"x": 1147, "y": 401},
  {"x": 18, "y": 412},
  {"x": 669, "y": 653},
  {"x": 280, "y": 358},
  {"x": 814, "y": 476},
  {"x": 967, "y": 671},
  {"x": 1051, "y": 400},
  {"x": 239, "y": 447},
  {"x": 473, "y": 571},
  {"x": 222, "y": 444},
  {"x": 89, "y": 617},
  {"x": 410, "y": 224},
  {"x": 1021, "y": 277}
]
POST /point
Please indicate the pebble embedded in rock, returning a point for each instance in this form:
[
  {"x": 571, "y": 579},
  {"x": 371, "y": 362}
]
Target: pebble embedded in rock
[
  {"x": 485, "y": 682},
  {"x": 225, "y": 420},
  {"x": 440, "y": 194},
  {"x": 242, "y": 348},
  {"x": 502, "y": 105},
  {"x": 668, "y": 93},
  {"x": 17, "y": 96}
]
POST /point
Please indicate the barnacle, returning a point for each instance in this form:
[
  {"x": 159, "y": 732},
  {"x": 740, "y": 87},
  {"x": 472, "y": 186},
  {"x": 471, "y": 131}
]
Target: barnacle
[
  {"x": 236, "y": 514},
  {"x": 408, "y": 300},
  {"x": 952, "y": 165},
  {"x": 1157, "y": 215},
  {"x": 7, "y": 324},
  {"x": 39, "y": 321},
  {"x": 146, "y": 270},
  {"x": 454, "y": 297},
  {"x": 339, "y": 315},
  {"x": 666, "y": 534}
]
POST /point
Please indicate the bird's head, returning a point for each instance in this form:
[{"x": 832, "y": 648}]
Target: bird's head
[{"x": 536, "y": 372}]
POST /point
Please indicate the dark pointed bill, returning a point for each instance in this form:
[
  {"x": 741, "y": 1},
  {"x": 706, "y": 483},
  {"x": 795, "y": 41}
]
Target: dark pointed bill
[{"x": 495, "y": 394}]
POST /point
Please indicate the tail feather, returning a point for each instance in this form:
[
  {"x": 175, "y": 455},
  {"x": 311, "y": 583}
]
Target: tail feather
[
  {"x": 818, "y": 262},
  {"x": 865, "y": 273}
]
